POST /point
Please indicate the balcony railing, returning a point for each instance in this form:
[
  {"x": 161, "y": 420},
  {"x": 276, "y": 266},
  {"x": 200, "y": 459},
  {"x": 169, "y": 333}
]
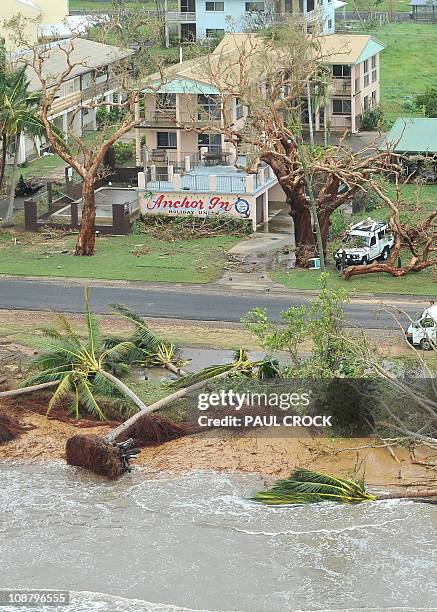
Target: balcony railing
[
  {"x": 170, "y": 118},
  {"x": 68, "y": 101},
  {"x": 341, "y": 85},
  {"x": 180, "y": 17}
]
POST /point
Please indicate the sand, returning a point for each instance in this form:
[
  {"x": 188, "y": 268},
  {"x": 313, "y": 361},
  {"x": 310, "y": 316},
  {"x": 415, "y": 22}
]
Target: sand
[{"x": 269, "y": 453}]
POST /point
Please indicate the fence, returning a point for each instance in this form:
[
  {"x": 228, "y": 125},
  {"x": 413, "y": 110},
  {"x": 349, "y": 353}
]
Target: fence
[{"x": 64, "y": 214}]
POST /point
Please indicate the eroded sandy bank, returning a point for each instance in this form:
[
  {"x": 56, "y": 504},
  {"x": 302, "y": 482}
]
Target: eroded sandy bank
[{"x": 270, "y": 453}]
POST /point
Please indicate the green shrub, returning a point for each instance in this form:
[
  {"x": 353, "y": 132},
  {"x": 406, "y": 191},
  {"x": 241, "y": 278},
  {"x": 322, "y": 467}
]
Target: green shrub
[
  {"x": 338, "y": 223},
  {"x": 371, "y": 118},
  {"x": 124, "y": 152},
  {"x": 427, "y": 102}
]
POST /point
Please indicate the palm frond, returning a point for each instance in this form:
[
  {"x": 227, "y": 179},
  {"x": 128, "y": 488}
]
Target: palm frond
[
  {"x": 94, "y": 334},
  {"x": 62, "y": 390},
  {"x": 205, "y": 374},
  {"x": 86, "y": 397},
  {"x": 307, "y": 486},
  {"x": 128, "y": 313},
  {"x": 118, "y": 352}
]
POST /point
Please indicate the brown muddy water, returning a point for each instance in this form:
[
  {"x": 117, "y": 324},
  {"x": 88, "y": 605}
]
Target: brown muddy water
[{"x": 161, "y": 542}]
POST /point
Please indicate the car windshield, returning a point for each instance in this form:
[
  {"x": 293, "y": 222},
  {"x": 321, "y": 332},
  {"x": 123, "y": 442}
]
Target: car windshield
[{"x": 354, "y": 240}]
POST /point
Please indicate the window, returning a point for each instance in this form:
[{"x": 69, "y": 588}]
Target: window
[
  {"x": 373, "y": 62},
  {"x": 254, "y": 7},
  {"x": 366, "y": 103},
  {"x": 427, "y": 322},
  {"x": 166, "y": 100},
  {"x": 329, "y": 24},
  {"x": 374, "y": 75},
  {"x": 188, "y": 32},
  {"x": 341, "y": 70},
  {"x": 188, "y": 6},
  {"x": 209, "y": 106},
  {"x": 381, "y": 234},
  {"x": 214, "y": 33},
  {"x": 373, "y": 98},
  {"x": 212, "y": 141},
  {"x": 366, "y": 72},
  {"x": 239, "y": 109},
  {"x": 214, "y": 6},
  {"x": 341, "y": 107},
  {"x": 357, "y": 85},
  {"x": 320, "y": 2},
  {"x": 166, "y": 140},
  {"x": 373, "y": 241}
]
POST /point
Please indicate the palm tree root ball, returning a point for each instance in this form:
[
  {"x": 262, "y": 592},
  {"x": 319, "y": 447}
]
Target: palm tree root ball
[{"x": 96, "y": 454}]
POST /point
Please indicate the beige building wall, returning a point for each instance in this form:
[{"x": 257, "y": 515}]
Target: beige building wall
[
  {"x": 52, "y": 11},
  {"x": 30, "y": 14},
  {"x": 33, "y": 13}
]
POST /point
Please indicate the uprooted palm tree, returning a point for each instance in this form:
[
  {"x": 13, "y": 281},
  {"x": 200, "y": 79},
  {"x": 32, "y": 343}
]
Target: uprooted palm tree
[
  {"x": 79, "y": 367},
  {"x": 307, "y": 487},
  {"x": 101, "y": 454},
  {"x": 150, "y": 349},
  {"x": 241, "y": 366}
]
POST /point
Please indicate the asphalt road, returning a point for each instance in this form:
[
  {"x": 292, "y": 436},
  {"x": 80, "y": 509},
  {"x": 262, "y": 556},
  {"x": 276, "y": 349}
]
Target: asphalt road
[{"x": 190, "y": 303}]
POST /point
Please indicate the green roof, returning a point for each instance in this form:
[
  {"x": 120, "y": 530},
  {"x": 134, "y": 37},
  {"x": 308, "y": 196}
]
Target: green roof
[
  {"x": 412, "y": 135},
  {"x": 187, "y": 86},
  {"x": 372, "y": 48}
]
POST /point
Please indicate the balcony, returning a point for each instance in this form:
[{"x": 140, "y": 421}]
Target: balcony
[
  {"x": 170, "y": 118},
  {"x": 180, "y": 17},
  {"x": 341, "y": 85},
  {"x": 69, "y": 101}
]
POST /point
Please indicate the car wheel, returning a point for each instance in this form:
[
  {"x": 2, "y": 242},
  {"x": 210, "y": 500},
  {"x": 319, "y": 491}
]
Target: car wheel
[
  {"x": 426, "y": 344},
  {"x": 364, "y": 261}
]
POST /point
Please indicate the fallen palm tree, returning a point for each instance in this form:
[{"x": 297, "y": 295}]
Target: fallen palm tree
[
  {"x": 149, "y": 349},
  {"x": 308, "y": 487},
  {"x": 107, "y": 457}
]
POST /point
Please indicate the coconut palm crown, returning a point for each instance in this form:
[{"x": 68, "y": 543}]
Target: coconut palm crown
[{"x": 80, "y": 365}]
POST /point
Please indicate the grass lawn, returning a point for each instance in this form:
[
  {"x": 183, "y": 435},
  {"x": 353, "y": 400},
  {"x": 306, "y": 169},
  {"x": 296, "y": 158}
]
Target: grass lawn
[
  {"x": 412, "y": 284},
  {"x": 374, "y": 6},
  {"x": 408, "y": 65},
  {"x": 132, "y": 257}
]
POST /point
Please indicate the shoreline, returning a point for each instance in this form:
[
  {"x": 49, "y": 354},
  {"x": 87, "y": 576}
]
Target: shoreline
[{"x": 267, "y": 453}]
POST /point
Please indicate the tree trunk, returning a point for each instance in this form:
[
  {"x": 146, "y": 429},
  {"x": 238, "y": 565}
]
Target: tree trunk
[
  {"x": 303, "y": 229},
  {"x": 23, "y": 390},
  {"x": 111, "y": 436},
  {"x": 87, "y": 234},
  {"x": 4, "y": 146},
  {"x": 7, "y": 222},
  {"x": 408, "y": 495}
]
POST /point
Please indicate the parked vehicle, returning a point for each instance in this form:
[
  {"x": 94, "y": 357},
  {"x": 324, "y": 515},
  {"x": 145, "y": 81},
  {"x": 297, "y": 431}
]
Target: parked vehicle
[
  {"x": 423, "y": 332},
  {"x": 364, "y": 242}
]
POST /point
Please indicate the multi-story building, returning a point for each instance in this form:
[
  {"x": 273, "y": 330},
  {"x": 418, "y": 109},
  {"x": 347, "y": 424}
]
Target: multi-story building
[
  {"x": 197, "y": 19},
  {"x": 90, "y": 81},
  {"x": 191, "y": 168},
  {"x": 188, "y": 98}
]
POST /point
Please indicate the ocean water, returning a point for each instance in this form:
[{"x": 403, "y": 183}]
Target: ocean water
[{"x": 161, "y": 542}]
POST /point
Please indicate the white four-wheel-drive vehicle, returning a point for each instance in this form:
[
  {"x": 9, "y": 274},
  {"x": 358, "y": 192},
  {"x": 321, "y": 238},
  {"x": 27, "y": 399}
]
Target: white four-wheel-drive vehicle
[
  {"x": 364, "y": 242},
  {"x": 423, "y": 331}
]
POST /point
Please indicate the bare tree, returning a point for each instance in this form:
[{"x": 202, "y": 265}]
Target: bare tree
[
  {"x": 415, "y": 237},
  {"x": 126, "y": 71}
]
